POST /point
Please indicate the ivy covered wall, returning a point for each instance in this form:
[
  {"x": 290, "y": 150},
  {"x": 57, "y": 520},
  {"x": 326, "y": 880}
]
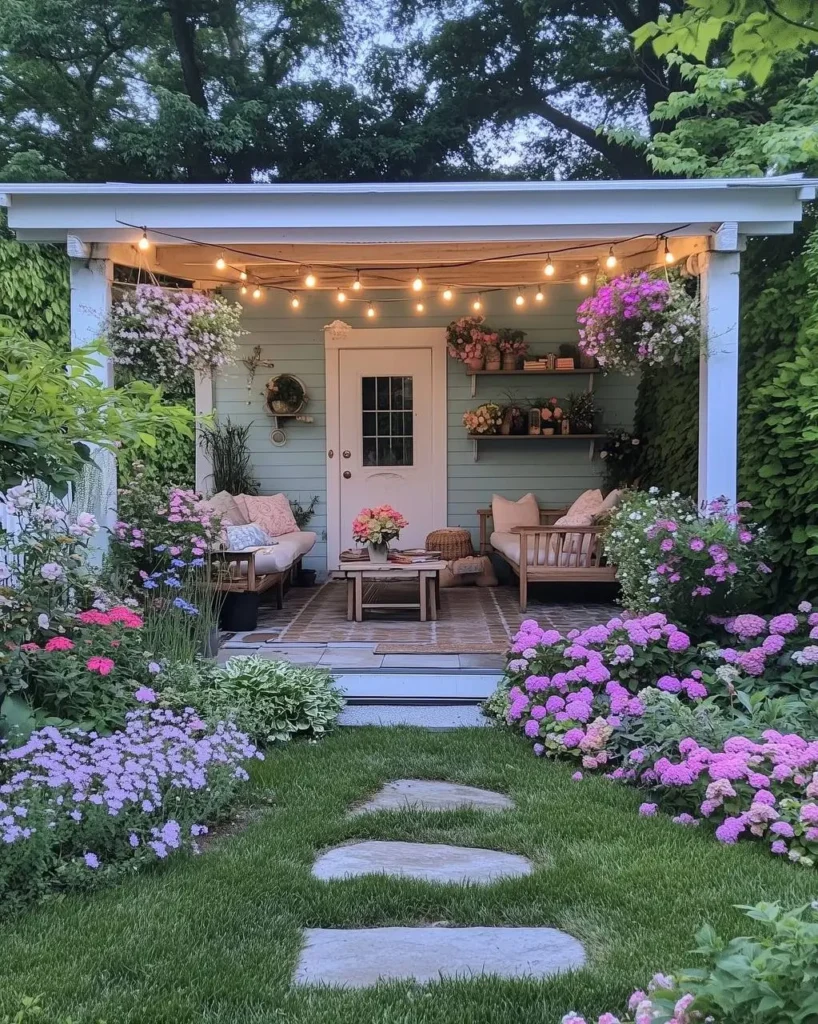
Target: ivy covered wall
[
  {"x": 778, "y": 409},
  {"x": 34, "y": 288}
]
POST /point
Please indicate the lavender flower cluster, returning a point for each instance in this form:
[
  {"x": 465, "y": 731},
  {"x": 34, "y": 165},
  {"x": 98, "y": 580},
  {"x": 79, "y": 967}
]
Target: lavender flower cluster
[{"x": 74, "y": 802}]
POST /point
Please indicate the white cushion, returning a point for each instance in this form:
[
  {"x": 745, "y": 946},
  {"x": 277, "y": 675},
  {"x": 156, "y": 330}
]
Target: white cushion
[
  {"x": 508, "y": 544},
  {"x": 287, "y": 550},
  {"x": 507, "y": 514}
]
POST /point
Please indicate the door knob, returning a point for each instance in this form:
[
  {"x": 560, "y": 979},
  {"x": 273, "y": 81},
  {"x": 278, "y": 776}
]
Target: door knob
[
  {"x": 347, "y": 474},
  {"x": 347, "y": 454}
]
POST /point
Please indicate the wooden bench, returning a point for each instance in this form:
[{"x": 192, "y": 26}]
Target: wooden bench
[
  {"x": 238, "y": 580},
  {"x": 569, "y": 554}
]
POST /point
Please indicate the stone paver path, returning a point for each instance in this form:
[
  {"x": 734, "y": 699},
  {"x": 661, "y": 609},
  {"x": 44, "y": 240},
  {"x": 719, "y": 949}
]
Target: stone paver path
[
  {"x": 358, "y": 957},
  {"x": 432, "y": 795},
  {"x": 433, "y": 862}
]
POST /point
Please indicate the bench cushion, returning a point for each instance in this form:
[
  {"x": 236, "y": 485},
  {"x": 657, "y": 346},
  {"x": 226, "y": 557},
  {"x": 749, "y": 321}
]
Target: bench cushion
[{"x": 287, "y": 550}]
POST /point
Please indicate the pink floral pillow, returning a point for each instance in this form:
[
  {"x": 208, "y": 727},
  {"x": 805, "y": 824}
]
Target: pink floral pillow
[{"x": 272, "y": 512}]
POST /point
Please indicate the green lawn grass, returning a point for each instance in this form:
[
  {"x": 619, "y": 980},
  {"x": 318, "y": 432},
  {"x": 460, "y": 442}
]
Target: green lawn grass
[{"x": 215, "y": 938}]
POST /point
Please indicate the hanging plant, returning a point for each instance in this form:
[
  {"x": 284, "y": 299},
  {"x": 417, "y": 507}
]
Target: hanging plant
[
  {"x": 639, "y": 320},
  {"x": 285, "y": 394},
  {"x": 163, "y": 334}
]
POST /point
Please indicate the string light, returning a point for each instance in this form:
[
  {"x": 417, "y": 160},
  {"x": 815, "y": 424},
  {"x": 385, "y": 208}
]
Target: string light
[
  {"x": 610, "y": 262},
  {"x": 341, "y": 295},
  {"x": 295, "y": 302},
  {"x": 370, "y": 310},
  {"x": 221, "y": 263},
  {"x": 584, "y": 280},
  {"x": 243, "y": 289},
  {"x": 477, "y": 305},
  {"x": 539, "y": 297},
  {"x": 310, "y": 280},
  {"x": 419, "y": 307},
  {"x": 144, "y": 243},
  {"x": 417, "y": 284},
  {"x": 243, "y": 276},
  {"x": 448, "y": 294},
  {"x": 669, "y": 257},
  {"x": 356, "y": 284},
  {"x": 548, "y": 269},
  {"x": 520, "y": 299},
  {"x": 257, "y": 293}
]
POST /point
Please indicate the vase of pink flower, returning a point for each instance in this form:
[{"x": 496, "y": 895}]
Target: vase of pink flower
[
  {"x": 513, "y": 346},
  {"x": 375, "y": 527},
  {"x": 467, "y": 340}
]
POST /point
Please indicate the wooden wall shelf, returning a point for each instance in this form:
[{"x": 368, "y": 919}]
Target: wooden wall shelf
[{"x": 533, "y": 438}]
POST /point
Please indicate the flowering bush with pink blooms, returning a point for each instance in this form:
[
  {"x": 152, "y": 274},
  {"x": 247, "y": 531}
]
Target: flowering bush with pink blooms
[
  {"x": 378, "y": 525},
  {"x": 77, "y": 807},
  {"x": 766, "y": 978},
  {"x": 689, "y": 564},
  {"x": 164, "y": 334},
  {"x": 639, "y": 320},
  {"x": 469, "y": 337}
]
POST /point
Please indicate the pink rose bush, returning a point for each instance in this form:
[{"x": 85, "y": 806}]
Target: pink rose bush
[
  {"x": 468, "y": 338},
  {"x": 76, "y": 806},
  {"x": 378, "y": 525},
  {"x": 639, "y": 320}
]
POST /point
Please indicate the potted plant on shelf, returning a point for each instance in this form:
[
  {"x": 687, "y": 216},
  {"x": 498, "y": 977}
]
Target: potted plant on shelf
[
  {"x": 375, "y": 527},
  {"x": 513, "y": 346},
  {"x": 494, "y": 357},
  {"x": 285, "y": 394},
  {"x": 551, "y": 417},
  {"x": 582, "y": 412},
  {"x": 485, "y": 419},
  {"x": 467, "y": 340}
]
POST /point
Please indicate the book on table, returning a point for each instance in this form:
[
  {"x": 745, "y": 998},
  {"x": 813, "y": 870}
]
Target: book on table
[{"x": 411, "y": 556}]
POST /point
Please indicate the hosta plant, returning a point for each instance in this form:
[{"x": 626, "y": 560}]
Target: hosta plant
[{"x": 270, "y": 700}]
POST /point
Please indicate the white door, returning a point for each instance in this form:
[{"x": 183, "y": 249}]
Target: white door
[{"x": 385, "y": 438}]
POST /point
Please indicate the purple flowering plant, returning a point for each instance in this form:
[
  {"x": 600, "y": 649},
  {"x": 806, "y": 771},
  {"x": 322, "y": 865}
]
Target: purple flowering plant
[
  {"x": 639, "y": 320},
  {"x": 76, "y": 807}
]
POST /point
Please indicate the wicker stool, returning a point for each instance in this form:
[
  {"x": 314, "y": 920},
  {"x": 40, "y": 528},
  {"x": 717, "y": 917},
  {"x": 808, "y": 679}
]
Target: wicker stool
[{"x": 452, "y": 542}]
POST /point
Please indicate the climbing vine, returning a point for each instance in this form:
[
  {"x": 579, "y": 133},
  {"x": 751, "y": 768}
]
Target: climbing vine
[{"x": 34, "y": 288}]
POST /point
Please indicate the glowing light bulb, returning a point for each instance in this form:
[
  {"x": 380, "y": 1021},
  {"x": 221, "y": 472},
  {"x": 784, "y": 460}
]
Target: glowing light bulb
[
  {"x": 584, "y": 280},
  {"x": 341, "y": 295},
  {"x": 477, "y": 305},
  {"x": 419, "y": 307},
  {"x": 417, "y": 284},
  {"x": 295, "y": 302},
  {"x": 257, "y": 292},
  {"x": 144, "y": 243},
  {"x": 310, "y": 280},
  {"x": 448, "y": 294},
  {"x": 610, "y": 262},
  {"x": 221, "y": 263},
  {"x": 548, "y": 269},
  {"x": 242, "y": 275},
  {"x": 370, "y": 310},
  {"x": 356, "y": 284},
  {"x": 243, "y": 289},
  {"x": 520, "y": 299},
  {"x": 669, "y": 257},
  {"x": 539, "y": 297}
]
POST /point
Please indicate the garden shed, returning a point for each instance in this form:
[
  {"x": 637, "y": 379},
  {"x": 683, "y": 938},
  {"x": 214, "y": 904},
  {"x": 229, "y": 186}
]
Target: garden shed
[{"x": 349, "y": 289}]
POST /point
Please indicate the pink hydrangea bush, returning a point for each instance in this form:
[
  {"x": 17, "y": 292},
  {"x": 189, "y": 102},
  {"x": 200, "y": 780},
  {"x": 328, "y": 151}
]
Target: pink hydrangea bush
[
  {"x": 76, "y": 806},
  {"x": 468, "y": 338}
]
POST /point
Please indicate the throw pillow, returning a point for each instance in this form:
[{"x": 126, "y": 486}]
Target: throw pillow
[
  {"x": 608, "y": 505},
  {"x": 248, "y": 535},
  {"x": 224, "y": 505},
  {"x": 570, "y": 546},
  {"x": 507, "y": 514},
  {"x": 272, "y": 512},
  {"x": 588, "y": 503}
]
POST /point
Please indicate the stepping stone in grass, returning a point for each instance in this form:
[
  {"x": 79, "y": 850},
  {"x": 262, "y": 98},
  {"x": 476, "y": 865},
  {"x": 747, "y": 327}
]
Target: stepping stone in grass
[
  {"x": 433, "y": 862},
  {"x": 359, "y": 957},
  {"x": 423, "y": 795}
]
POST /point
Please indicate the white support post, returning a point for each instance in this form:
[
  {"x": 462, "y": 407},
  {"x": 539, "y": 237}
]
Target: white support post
[
  {"x": 90, "y": 304},
  {"x": 718, "y": 376},
  {"x": 204, "y": 407}
]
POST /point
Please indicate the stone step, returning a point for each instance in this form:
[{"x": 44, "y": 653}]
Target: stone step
[
  {"x": 360, "y": 957},
  {"x": 432, "y": 862},
  {"x": 433, "y": 795}
]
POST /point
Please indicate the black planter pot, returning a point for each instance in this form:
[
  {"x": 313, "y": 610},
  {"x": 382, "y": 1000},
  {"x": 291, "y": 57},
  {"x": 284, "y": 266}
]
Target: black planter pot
[
  {"x": 239, "y": 613},
  {"x": 306, "y": 578}
]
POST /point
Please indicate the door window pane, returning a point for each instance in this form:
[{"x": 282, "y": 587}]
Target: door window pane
[{"x": 386, "y": 421}]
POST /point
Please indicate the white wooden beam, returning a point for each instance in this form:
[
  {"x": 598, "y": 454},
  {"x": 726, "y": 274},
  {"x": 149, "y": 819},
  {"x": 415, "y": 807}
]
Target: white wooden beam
[
  {"x": 204, "y": 407},
  {"x": 718, "y": 376}
]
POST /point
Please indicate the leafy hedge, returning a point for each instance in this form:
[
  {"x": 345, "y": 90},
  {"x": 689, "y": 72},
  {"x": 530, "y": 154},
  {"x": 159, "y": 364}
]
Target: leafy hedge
[
  {"x": 34, "y": 288},
  {"x": 778, "y": 408}
]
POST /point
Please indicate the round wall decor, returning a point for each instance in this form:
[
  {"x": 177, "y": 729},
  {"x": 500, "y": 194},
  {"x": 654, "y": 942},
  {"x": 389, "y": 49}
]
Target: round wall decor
[{"x": 286, "y": 395}]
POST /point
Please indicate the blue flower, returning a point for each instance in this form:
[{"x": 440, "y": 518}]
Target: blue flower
[
  {"x": 177, "y": 562},
  {"x": 150, "y": 584},
  {"x": 160, "y": 547},
  {"x": 173, "y": 581},
  {"x": 197, "y": 562}
]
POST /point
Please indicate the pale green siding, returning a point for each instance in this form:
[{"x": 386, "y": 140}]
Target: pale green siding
[{"x": 556, "y": 473}]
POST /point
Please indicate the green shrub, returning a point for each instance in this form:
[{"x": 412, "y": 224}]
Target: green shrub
[{"x": 271, "y": 701}]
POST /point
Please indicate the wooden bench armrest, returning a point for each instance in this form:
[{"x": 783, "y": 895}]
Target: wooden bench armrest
[
  {"x": 558, "y": 529},
  {"x": 248, "y": 556}
]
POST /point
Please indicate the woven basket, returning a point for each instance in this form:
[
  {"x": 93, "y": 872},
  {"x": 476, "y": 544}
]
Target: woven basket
[{"x": 452, "y": 542}]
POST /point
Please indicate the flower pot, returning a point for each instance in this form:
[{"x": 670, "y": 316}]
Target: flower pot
[
  {"x": 284, "y": 408},
  {"x": 548, "y": 431},
  {"x": 510, "y": 361},
  {"x": 494, "y": 364},
  {"x": 306, "y": 578},
  {"x": 239, "y": 612},
  {"x": 475, "y": 363},
  {"x": 378, "y": 552}
]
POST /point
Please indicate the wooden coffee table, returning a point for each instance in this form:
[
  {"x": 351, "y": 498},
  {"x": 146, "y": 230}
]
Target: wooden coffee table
[{"x": 427, "y": 575}]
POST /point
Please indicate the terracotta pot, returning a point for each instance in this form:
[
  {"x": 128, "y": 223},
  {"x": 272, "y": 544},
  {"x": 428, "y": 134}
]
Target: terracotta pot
[{"x": 476, "y": 363}]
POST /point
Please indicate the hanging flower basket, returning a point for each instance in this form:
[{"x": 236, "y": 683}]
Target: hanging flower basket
[
  {"x": 163, "y": 335},
  {"x": 286, "y": 394},
  {"x": 638, "y": 321}
]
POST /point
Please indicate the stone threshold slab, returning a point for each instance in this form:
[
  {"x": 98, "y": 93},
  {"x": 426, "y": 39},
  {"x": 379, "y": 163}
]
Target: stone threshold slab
[
  {"x": 434, "y": 795},
  {"x": 430, "y": 862},
  {"x": 361, "y": 957}
]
